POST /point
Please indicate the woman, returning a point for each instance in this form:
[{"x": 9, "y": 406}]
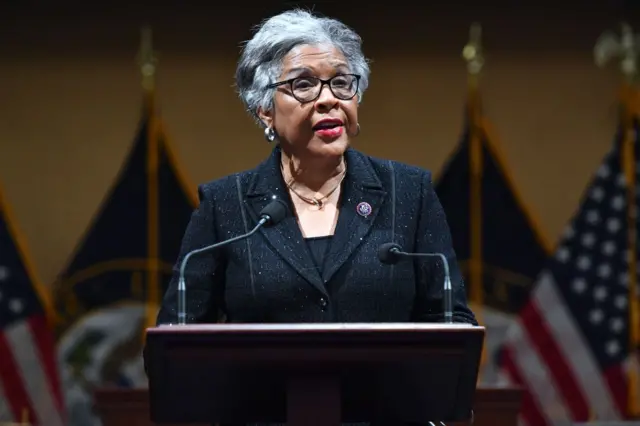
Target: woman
[{"x": 302, "y": 78}]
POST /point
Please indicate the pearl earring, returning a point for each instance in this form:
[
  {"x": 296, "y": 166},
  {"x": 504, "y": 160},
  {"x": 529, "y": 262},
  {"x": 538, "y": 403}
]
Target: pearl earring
[{"x": 269, "y": 134}]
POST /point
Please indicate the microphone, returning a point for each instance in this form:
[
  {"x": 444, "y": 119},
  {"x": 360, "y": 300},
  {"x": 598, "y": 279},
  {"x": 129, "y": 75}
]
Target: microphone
[
  {"x": 391, "y": 253},
  {"x": 271, "y": 214}
]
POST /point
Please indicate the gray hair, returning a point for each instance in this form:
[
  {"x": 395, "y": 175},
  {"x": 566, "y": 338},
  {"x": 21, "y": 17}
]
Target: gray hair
[{"x": 261, "y": 59}]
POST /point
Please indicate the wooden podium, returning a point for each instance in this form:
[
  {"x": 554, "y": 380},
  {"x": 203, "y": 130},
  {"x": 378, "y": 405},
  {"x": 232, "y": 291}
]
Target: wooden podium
[
  {"x": 309, "y": 374},
  {"x": 319, "y": 374},
  {"x": 130, "y": 407}
]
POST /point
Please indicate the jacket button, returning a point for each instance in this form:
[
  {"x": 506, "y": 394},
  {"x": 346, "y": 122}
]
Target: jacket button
[{"x": 323, "y": 303}]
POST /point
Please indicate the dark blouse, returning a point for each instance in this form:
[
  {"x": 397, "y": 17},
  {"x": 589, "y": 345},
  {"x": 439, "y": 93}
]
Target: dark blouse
[{"x": 319, "y": 246}]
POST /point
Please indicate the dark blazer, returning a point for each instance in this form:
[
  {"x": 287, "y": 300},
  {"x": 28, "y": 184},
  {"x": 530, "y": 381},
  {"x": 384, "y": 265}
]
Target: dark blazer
[{"x": 271, "y": 276}]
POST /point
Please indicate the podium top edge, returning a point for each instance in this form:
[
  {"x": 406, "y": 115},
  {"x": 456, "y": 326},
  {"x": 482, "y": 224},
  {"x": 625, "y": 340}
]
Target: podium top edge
[{"x": 317, "y": 327}]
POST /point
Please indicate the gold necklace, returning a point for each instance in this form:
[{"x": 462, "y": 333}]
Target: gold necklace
[{"x": 317, "y": 202}]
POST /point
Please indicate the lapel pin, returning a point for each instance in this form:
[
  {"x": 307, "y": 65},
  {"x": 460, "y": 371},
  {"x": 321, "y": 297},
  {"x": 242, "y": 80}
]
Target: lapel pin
[{"x": 364, "y": 209}]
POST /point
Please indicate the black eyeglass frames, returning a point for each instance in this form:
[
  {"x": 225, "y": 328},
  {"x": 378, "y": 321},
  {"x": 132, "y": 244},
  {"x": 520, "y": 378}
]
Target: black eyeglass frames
[{"x": 308, "y": 89}]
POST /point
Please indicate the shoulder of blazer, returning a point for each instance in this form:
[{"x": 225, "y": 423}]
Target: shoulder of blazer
[
  {"x": 226, "y": 186},
  {"x": 404, "y": 173}
]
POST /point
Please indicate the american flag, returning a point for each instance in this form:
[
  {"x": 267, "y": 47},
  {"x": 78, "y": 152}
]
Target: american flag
[
  {"x": 570, "y": 347},
  {"x": 29, "y": 385}
]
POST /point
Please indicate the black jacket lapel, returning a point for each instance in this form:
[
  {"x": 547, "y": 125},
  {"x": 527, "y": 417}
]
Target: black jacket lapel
[
  {"x": 361, "y": 201},
  {"x": 286, "y": 238}
]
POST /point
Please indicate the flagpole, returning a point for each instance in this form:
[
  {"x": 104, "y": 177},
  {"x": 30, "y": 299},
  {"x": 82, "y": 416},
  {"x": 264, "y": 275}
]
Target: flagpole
[
  {"x": 473, "y": 55},
  {"x": 607, "y": 46},
  {"x": 147, "y": 62}
]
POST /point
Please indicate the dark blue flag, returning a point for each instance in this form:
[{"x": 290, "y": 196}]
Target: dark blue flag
[
  {"x": 492, "y": 229},
  {"x": 513, "y": 250},
  {"x": 113, "y": 284}
]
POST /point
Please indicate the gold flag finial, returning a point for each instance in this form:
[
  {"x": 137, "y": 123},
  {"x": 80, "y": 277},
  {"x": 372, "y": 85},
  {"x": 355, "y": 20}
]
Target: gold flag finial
[
  {"x": 626, "y": 48},
  {"x": 472, "y": 51},
  {"x": 147, "y": 58}
]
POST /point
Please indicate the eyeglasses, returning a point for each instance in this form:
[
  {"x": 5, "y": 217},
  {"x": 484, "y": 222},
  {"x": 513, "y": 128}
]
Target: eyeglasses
[{"x": 308, "y": 89}]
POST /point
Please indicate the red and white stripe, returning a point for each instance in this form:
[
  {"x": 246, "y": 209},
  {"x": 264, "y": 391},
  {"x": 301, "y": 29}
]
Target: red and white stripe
[
  {"x": 547, "y": 356},
  {"x": 28, "y": 374}
]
